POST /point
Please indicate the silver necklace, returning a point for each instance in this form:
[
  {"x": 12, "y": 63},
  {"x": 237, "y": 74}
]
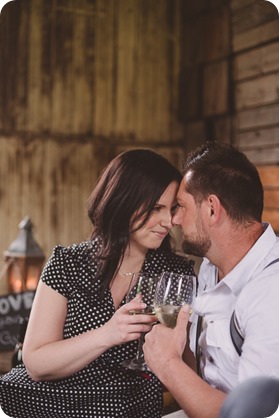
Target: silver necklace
[{"x": 129, "y": 274}]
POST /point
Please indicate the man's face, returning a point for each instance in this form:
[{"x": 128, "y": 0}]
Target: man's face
[{"x": 191, "y": 217}]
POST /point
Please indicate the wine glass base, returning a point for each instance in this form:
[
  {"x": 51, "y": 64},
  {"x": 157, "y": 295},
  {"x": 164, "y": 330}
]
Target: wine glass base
[{"x": 135, "y": 364}]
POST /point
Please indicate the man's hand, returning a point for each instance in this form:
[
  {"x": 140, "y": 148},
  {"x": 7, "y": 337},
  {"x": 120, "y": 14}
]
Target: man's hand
[{"x": 163, "y": 344}]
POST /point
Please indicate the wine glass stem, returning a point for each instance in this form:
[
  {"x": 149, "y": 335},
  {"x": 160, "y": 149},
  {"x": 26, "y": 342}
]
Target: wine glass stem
[{"x": 140, "y": 354}]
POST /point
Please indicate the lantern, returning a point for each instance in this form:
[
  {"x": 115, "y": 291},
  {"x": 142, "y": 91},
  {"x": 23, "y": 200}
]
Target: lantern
[{"x": 24, "y": 260}]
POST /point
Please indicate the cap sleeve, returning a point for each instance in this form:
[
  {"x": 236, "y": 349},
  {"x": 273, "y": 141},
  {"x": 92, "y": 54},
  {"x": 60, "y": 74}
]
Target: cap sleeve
[{"x": 54, "y": 273}]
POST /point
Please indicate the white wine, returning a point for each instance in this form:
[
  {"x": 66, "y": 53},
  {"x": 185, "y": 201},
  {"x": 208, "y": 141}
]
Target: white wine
[
  {"x": 149, "y": 310},
  {"x": 167, "y": 314}
]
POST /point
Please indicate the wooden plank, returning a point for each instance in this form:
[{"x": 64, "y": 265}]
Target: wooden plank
[
  {"x": 239, "y": 4},
  {"x": 105, "y": 46},
  {"x": 259, "y": 138},
  {"x": 261, "y": 34},
  {"x": 271, "y": 199},
  {"x": 262, "y": 155},
  {"x": 216, "y": 22},
  {"x": 223, "y": 129},
  {"x": 82, "y": 74},
  {"x": 195, "y": 135},
  {"x": 257, "y": 92},
  {"x": 256, "y": 62},
  {"x": 258, "y": 117},
  {"x": 252, "y": 15},
  {"x": 272, "y": 216},
  {"x": 215, "y": 93},
  {"x": 269, "y": 175},
  {"x": 34, "y": 67},
  {"x": 62, "y": 79}
]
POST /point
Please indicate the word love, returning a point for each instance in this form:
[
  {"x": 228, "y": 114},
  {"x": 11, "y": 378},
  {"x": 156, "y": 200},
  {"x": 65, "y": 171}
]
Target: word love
[{"x": 16, "y": 302}]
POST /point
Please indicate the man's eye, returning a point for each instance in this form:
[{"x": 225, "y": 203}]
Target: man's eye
[{"x": 174, "y": 208}]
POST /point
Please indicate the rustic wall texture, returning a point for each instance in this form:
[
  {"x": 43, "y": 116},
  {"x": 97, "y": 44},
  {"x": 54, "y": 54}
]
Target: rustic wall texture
[{"x": 82, "y": 80}]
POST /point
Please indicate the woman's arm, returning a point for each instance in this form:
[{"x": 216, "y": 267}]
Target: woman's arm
[{"x": 47, "y": 356}]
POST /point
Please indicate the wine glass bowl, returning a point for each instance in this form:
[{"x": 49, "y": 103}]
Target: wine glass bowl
[{"x": 173, "y": 290}]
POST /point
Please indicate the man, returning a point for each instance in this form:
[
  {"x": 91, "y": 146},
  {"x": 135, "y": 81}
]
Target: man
[{"x": 220, "y": 203}]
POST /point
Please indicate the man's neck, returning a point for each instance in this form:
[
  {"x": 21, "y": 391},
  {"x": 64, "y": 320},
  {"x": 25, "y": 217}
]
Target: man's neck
[{"x": 226, "y": 253}]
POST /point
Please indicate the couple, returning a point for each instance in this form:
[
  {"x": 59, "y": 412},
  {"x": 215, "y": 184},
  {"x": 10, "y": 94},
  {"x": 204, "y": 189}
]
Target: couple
[{"x": 80, "y": 331}]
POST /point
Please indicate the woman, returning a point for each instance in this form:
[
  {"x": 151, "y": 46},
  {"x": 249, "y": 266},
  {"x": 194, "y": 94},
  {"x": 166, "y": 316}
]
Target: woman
[{"x": 80, "y": 330}]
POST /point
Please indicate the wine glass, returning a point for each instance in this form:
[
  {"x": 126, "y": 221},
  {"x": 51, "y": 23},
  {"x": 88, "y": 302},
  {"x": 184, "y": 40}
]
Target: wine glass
[
  {"x": 144, "y": 285},
  {"x": 173, "y": 290}
]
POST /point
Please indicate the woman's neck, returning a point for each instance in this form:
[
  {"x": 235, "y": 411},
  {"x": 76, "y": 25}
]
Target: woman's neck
[{"x": 132, "y": 261}]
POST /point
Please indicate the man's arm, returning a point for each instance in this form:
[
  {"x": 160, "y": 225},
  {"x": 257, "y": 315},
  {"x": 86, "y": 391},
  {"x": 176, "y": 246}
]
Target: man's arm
[{"x": 163, "y": 351}]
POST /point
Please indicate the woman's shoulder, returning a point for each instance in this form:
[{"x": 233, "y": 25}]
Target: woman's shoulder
[{"x": 161, "y": 260}]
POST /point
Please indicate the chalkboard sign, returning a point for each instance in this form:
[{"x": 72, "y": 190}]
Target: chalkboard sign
[{"x": 12, "y": 308}]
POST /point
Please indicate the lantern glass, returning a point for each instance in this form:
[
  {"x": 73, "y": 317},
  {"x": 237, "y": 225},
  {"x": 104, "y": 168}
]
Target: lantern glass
[
  {"x": 33, "y": 274},
  {"x": 24, "y": 259},
  {"x": 15, "y": 279}
]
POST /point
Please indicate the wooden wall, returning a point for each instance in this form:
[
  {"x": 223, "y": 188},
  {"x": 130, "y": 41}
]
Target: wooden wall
[
  {"x": 255, "y": 70},
  {"x": 230, "y": 83},
  {"x": 80, "y": 81}
]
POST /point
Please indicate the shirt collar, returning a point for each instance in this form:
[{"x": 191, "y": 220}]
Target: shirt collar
[{"x": 244, "y": 270}]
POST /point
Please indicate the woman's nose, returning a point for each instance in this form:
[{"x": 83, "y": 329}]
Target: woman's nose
[{"x": 167, "y": 220}]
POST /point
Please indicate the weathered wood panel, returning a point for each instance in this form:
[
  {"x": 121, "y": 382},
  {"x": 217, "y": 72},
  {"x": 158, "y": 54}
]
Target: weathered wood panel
[
  {"x": 258, "y": 138},
  {"x": 257, "y": 92},
  {"x": 99, "y": 68},
  {"x": 263, "y": 155},
  {"x": 257, "y": 62},
  {"x": 253, "y": 14},
  {"x": 259, "y": 117},
  {"x": 256, "y": 36},
  {"x": 215, "y": 93},
  {"x": 270, "y": 179},
  {"x": 269, "y": 176}
]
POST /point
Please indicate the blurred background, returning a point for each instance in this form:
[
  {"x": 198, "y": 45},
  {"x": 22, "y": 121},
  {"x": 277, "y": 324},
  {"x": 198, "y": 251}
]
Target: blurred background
[{"x": 83, "y": 80}]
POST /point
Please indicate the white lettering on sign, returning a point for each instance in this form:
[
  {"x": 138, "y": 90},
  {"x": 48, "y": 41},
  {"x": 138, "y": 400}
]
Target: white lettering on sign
[{"x": 16, "y": 302}]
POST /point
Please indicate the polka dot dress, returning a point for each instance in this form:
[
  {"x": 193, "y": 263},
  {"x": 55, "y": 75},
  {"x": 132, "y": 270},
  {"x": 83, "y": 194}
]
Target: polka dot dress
[{"x": 103, "y": 389}]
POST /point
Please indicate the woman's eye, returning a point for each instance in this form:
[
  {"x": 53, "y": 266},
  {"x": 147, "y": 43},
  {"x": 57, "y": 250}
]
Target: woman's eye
[{"x": 156, "y": 208}]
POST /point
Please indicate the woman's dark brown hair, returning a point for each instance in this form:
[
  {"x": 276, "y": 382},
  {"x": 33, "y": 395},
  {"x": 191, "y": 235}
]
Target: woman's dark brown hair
[{"x": 128, "y": 190}]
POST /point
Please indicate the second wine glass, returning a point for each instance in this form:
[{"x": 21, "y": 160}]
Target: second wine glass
[
  {"x": 173, "y": 290},
  {"x": 144, "y": 285}
]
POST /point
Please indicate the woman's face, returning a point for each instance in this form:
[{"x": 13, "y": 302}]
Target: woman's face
[{"x": 152, "y": 233}]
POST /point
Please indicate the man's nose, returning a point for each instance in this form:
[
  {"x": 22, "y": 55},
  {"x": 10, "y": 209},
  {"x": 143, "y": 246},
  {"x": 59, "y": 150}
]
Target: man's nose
[{"x": 176, "y": 218}]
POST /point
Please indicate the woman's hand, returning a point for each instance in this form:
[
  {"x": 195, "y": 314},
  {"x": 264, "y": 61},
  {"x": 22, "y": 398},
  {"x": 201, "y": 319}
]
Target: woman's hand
[{"x": 125, "y": 326}]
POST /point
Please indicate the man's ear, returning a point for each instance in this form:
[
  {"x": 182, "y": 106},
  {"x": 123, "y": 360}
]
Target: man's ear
[{"x": 214, "y": 206}]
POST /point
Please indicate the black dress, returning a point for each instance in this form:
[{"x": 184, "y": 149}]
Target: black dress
[{"x": 103, "y": 389}]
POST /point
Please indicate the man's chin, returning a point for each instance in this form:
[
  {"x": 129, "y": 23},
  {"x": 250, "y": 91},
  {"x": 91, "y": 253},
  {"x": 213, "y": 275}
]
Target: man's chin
[{"x": 191, "y": 249}]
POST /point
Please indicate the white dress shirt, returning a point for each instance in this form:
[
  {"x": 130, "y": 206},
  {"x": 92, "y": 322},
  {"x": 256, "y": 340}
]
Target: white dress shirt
[{"x": 252, "y": 290}]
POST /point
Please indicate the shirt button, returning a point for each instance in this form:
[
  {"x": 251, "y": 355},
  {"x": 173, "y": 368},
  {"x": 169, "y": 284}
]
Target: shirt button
[{"x": 210, "y": 359}]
